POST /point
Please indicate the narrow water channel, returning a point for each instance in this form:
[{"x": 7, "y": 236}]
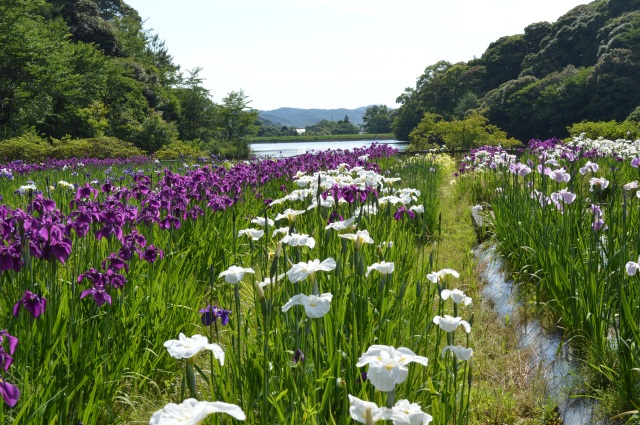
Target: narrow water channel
[{"x": 550, "y": 357}]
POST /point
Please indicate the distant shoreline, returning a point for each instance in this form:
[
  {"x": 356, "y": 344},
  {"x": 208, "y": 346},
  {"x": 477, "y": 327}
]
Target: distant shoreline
[{"x": 323, "y": 138}]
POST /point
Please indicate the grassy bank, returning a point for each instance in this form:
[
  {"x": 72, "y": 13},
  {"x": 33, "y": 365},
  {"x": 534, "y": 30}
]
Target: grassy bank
[
  {"x": 322, "y": 138},
  {"x": 503, "y": 389}
]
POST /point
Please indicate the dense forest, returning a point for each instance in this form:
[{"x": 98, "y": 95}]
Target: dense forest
[
  {"x": 584, "y": 67},
  {"x": 87, "y": 69}
]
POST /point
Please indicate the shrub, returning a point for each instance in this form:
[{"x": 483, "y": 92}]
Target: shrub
[
  {"x": 29, "y": 148},
  {"x": 610, "y": 130},
  {"x": 180, "y": 149},
  {"x": 635, "y": 115},
  {"x": 229, "y": 150},
  {"x": 32, "y": 148},
  {"x": 97, "y": 147}
]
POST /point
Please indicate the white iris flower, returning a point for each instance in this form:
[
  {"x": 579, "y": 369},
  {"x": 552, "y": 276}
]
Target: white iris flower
[
  {"x": 315, "y": 306},
  {"x": 253, "y": 234},
  {"x": 382, "y": 267},
  {"x": 302, "y": 270},
  {"x": 461, "y": 353},
  {"x": 436, "y": 276},
  {"x": 296, "y": 239},
  {"x": 366, "y": 412},
  {"x": 193, "y": 412},
  {"x": 187, "y": 348},
  {"x": 456, "y": 295},
  {"x": 234, "y": 274},
  {"x": 360, "y": 237},
  {"x": 450, "y": 324},
  {"x": 260, "y": 221},
  {"x": 289, "y": 214},
  {"x": 414, "y": 413},
  {"x": 388, "y": 365}
]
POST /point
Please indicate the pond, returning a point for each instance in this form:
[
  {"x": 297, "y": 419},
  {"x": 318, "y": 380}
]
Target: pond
[{"x": 285, "y": 149}]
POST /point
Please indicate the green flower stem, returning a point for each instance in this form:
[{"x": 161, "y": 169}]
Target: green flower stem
[
  {"x": 391, "y": 398},
  {"x": 239, "y": 380},
  {"x": 190, "y": 377}
]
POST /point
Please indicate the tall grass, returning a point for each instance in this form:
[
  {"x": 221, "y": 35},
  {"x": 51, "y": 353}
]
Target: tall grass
[{"x": 574, "y": 250}]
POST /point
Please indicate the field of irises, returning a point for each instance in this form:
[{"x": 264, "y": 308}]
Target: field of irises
[
  {"x": 295, "y": 290},
  {"x": 566, "y": 216}
]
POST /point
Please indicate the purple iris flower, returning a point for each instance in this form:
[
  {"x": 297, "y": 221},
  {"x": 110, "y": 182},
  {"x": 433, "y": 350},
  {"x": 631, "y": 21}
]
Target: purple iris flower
[
  {"x": 10, "y": 393},
  {"x": 11, "y": 257},
  {"x": 211, "y": 313},
  {"x": 5, "y": 358},
  {"x": 86, "y": 191},
  {"x": 98, "y": 291},
  {"x": 34, "y": 303},
  {"x": 298, "y": 356},
  {"x": 353, "y": 193},
  {"x": 598, "y": 224},
  {"x": 99, "y": 294},
  {"x": 152, "y": 253},
  {"x": 334, "y": 216},
  {"x": 169, "y": 221},
  {"x": 402, "y": 210},
  {"x": 598, "y": 220},
  {"x": 115, "y": 262},
  {"x": 41, "y": 205},
  {"x": 114, "y": 279}
]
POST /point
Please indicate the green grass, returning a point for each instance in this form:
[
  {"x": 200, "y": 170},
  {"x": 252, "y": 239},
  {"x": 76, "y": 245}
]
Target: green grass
[
  {"x": 107, "y": 365},
  {"x": 575, "y": 273}
]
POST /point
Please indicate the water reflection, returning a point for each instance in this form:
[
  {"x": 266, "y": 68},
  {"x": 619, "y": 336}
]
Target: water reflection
[
  {"x": 299, "y": 148},
  {"x": 549, "y": 355}
]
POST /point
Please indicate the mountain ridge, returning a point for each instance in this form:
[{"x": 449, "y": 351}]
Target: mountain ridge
[{"x": 303, "y": 117}]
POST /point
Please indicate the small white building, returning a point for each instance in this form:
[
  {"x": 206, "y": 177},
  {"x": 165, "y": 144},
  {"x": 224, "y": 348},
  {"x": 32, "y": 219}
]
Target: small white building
[{"x": 300, "y": 130}]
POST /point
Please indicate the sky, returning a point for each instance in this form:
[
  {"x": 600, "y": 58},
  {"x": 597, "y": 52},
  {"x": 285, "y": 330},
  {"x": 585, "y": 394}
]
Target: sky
[{"x": 330, "y": 54}]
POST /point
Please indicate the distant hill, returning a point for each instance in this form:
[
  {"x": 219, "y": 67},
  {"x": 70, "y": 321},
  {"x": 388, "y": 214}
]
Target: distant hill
[{"x": 301, "y": 118}]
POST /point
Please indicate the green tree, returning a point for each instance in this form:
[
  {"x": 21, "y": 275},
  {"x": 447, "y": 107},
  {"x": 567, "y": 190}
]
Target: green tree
[
  {"x": 197, "y": 111},
  {"x": 408, "y": 115},
  {"x": 345, "y": 127},
  {"x": 465, "y": 105},
  {"x": 426, "y": 135},
  {"x": 614, "y": 81},
  {"x": 376, "y": 119},
  {"x": 33, "y": 63},
  {"x": 87, "y": 25},
  {"x": 77, "y": 103},
  {"x": 468, "y": 133},
  {"x": 431, "y": 72},
  {"x": 154, "y": 133},
  {"x": 236, "y": 122},
  {"x": 323, "y": 127},
  {"x": 503, "y": 59}
]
